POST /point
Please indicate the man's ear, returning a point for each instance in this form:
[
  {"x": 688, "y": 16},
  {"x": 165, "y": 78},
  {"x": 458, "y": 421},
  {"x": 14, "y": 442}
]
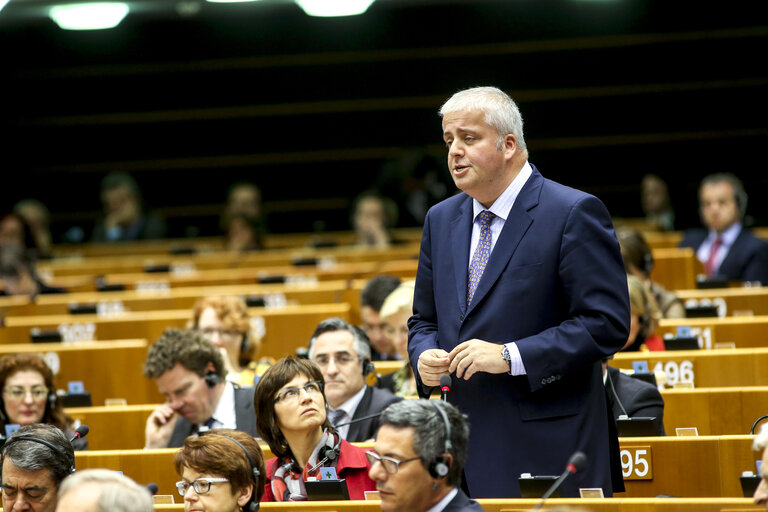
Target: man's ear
[{"x": 510, "y": 146}]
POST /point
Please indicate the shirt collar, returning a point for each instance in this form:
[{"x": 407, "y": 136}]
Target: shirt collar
[
  {"x": 440, "y": 505},
  {"x": 728, "y": 236},
  {"x": 503, "y": 204}
]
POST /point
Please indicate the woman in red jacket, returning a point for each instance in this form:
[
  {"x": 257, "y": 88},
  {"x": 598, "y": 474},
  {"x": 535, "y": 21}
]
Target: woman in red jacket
[{"x": 291, "y": 417}]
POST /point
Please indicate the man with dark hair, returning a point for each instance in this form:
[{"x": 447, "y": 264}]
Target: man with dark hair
[
  {"x": 36, "y": 458},
  {"x": 190, "y": 372},
  {"x": 342, "y": 352},
  {"x": 124, "y": 218},
  {"x": 418, "y": 458},
  {"x": 726, "y": 248},
  {"x": 371, "y": 299}
]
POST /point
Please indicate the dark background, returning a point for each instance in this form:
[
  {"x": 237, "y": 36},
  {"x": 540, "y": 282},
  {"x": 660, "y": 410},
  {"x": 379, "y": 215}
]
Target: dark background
[{"x": 312, "y": 109}]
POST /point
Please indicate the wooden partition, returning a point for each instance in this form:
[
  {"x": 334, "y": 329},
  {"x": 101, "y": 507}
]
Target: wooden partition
[
  {"x": 109, "y": 369},
  {"x": 286, "y": 328},
  {"x": 744, "y": 301},
  {"x": 714, "y": 411},
  {"x": 676, "y": 269},
  {"x": 744, "y": 332}
]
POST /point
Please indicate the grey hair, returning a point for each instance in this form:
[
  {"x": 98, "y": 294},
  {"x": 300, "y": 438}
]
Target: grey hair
[
  {"x": 430, "y": 433},
  {"x": 118, "y": 492},
  {"x": 362, "y": 344},
  {"x": 500, "y": 111},
  {"x": 761, "y": 439},
  {"x": 33, "y": 456}
]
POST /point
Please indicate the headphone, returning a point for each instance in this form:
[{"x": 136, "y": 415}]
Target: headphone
[
  {"x": 211, "y": 379},
  {"x": 326, "y": 452},
  {"x": 368, "y": 367},
  {"x": 440, "y": 466},
  {"x": 54, "y": 449},
  {"x": 252, "y": 505}
]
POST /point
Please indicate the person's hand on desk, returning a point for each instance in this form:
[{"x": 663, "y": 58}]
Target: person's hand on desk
[
  {"x": 474, "y": 356},
  {"x": 433, "y": 364},
  {"x": 159, "y": 427}
]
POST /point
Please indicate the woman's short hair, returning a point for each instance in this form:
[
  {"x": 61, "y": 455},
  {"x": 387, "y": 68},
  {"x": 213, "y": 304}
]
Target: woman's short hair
[
  {"x": 277, "y": 376},
  {"x": 13, "y": 363},
  {"x": 232, "y": 312},
  {"x": 215, "y": 453}
]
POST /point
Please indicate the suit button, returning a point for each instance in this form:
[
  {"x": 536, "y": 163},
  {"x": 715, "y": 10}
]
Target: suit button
[
  {"x": 461, "y": 318},
  {"x": 543, "y": 381}
]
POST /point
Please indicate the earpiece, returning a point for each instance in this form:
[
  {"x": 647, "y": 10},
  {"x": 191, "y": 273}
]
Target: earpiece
[
  {"x": 368, "y": 367},
  {"x": 326, "y": 452},
  {"x": 51, "y": 401},
  {"x": 440, "y": 466},
  {"x": 211, "y": 379},
  {"x": 245, "y": 345},
  {"x": 252, "y": 505}
]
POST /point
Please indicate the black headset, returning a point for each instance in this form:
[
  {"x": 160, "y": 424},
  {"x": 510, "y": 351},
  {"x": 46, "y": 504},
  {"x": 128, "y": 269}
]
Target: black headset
[
  {"x": 253, "y": 504},
  {"x": 368, "y": 367},
  {"x": 16, "y": 439},
  {"x": 330, "y": 453},
  {"x": 440, "y": 466},
  {"x": 211, "y": 379}
]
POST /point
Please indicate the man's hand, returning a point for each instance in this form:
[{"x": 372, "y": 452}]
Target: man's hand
[
  {"x": 475, "y": 356},
  {"x": 433, "y": 364},
  {"x": 159, "y": 427}
]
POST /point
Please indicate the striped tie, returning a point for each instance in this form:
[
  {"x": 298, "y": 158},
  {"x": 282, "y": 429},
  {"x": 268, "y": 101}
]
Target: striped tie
[{"x": 482, "y": 253}]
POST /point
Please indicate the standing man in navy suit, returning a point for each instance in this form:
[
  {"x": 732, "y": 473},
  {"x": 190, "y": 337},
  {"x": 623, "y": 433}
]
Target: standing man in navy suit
[
  {"x": 726, "y": 248},
  {"x": 520, "y": 305}
]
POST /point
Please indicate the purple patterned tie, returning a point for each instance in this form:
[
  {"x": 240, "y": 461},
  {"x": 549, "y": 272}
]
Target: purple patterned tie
[{"x": 482, "y": 253}]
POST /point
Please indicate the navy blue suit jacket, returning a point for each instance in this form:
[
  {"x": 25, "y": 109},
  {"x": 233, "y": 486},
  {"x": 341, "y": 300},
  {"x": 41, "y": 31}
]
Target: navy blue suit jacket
[
  {"x": 747, "y": 259},
  {"x": 555, "y": 284}
]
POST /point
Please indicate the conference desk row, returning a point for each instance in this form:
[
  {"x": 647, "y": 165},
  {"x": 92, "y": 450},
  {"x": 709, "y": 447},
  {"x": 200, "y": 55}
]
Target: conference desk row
[{"x": 705, "y": 466}]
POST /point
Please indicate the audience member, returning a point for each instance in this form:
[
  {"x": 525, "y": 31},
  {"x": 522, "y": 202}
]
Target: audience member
[
  {"x": 243, "y": 218},
  {"x": 221, "y": 471},
  {"x": 632, "y": 398},
  {"x": 343, "y": 355},
  {"x": 29, "y": 396},
  {"x": 418, "y": 458},
  {"x": 243, "y": 234},
  {"x": 371, "y": 299},
  {"x": 225, "y": 322},
  {"x": 760, "y": 444},
  {"x": 18, "y": 274},
  {"x": 373, "y": 216},
  {"x": 244, "y": 199},
  {"x": 644, "y": 318},
  {"x": 15, "y": 231},
  {"x": 190, "y": 372},
  {"x": 124, "y": 217},
  {"x": 36, "y": 458},
  {"x": 657, "y": 207},
  {"x": 292, "y": 420},
  {"x": 727, "y": 248},
  {"x": 395, "y": 312},
  {"x": 102, "y": 490},
  {"x": 39, "y": 220},
  {"x": 638, "y": 261}
]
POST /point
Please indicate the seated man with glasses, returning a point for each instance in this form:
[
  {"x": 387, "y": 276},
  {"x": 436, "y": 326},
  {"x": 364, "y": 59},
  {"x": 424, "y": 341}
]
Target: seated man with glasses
[
  {"x": 418, "y": 458},
  {"x": 190, "y": 372},
  {"x": 343, "y": 354}
]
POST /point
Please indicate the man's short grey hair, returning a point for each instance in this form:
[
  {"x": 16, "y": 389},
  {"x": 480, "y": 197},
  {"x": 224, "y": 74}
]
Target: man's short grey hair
[
  {"x": 362, "y": 343},
  {"x": 118, "y": 492},
  {"x": 761, "y": 439},
  {"x": 430, "y": 432},
  {"x": 500, "y": 111},
  {"x": 34, "y": 456}
]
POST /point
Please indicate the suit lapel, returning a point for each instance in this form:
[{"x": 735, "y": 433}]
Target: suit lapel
[
  {"x": 458, "y": 245},
  {"x": 514, "y": 229},
  {"x": 361, "y": 410}
]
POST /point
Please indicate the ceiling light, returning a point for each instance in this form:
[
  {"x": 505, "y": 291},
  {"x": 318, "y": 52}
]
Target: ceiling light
[
  {"x": 2, "y": 3},
  {"x": 334, "y": 7},
  {"x": 89, "y": 16},
  {"x": 230, "y": 1}
]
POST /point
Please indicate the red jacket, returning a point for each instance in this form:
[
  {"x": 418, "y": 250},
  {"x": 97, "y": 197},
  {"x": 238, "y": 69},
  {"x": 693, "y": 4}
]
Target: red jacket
[{"x": 352, "y": 466}]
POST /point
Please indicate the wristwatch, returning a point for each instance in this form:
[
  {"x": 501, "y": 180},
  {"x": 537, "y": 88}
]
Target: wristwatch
[{"x": 505, "y": 355}]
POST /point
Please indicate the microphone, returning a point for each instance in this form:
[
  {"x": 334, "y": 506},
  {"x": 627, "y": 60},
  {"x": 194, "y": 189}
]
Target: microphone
[
  {"x": 152, "y": 488},
  {"x": 445, "y": 386},
  {"x": 363, "y": 418},
  {"x": 574, "y": 465},
  {"x": 80, "y": 433}
]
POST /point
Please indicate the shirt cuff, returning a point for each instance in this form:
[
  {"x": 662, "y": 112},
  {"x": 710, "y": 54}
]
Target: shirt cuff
[{"x": 516, "y": 366}]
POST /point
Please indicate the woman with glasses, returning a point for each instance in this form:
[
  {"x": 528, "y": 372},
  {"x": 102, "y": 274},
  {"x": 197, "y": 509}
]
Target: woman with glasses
[
  {"x": 29, "y": 396},
  {"x": 225, "y": 322},
  {"x": 292, "y": 419},
  {"x": 221, "y": 471}
]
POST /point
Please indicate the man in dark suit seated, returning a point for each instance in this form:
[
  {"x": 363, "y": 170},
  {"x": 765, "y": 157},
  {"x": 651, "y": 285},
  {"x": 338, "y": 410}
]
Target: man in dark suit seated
[
  {"x": 343, "y": 354},
  {"x": 419, "y": 456},
  {"x": 632, "y": 397},
  {"x": 726, "y": 248},
  {"x": 190, "y": 372}
]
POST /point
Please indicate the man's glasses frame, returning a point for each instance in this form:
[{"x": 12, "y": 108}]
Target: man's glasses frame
[{"x": 389, "y": 464}]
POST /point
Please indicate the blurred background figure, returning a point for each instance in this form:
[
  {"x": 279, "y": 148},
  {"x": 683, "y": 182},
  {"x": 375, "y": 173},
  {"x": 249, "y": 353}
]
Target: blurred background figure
[
  {"x": 15, "y": 231},
  {"x": 632, "y": 397},
  {"x": 29, "y": 396},
  {"x": 395, "y": 312},
  {"x": 371, "y": 298},
  {"x": 18, "y": 274},
  {"x": 221, "y": 471},
  {"x": 225, "y": 322},
  {"x": 38, "y": 218},
  {"x": 102, "y": 490},
  {"x": 243, "y": 220},
  {"x": 638, "y": 261},
  {"x": 124, "y": 217},
  {"x": 373, "y": 216},
  {"x": 644, "y": 318},
  {"x": 656, "y": 203}
]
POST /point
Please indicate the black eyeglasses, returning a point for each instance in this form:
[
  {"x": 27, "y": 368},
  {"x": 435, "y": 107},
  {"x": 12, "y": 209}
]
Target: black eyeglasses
[
  {"x": 201, "y": 485},
  {"x": 312, "y": 388},
  {"x": 389, "y": 464}
]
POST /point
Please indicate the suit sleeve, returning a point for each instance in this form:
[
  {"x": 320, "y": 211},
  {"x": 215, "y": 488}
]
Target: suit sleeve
[
  {"x": 592, "y": 291},
  {"x": 757, "y": 266}
]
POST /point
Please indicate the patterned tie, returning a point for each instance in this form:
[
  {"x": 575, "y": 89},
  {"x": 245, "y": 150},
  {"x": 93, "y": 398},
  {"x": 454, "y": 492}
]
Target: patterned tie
[
  {"x": 336, "y": 416},
  {"x": 482, "y": 253},
  {"x": 710, "y": 267}
]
